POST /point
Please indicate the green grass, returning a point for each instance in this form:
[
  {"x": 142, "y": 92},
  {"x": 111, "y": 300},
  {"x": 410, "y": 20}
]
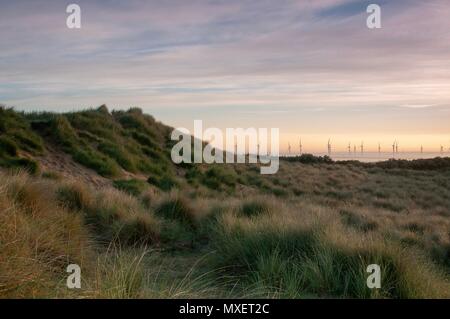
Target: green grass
[
  {"x": 294, "y": 263},
  {"x": 107, "y": 142},
  {"x": 357, "y": 222},
  {"x": 164, "y": 182},
  {"x": 218, "y": 177},
  {"x": 278, "y": 191},
  {"x": 119, "y": 154},
  {"x": 15, "y": 163},
  {"x": 176, "y": 207},
  {"x": 256, "y": 207},
  {"x": 17, "y": 129},
  {"x": 132, "y": 186},
  {"x": 8, "y": 146},
  {"x": 103, "y": 165},
  {"x": 18, "y": 143}
]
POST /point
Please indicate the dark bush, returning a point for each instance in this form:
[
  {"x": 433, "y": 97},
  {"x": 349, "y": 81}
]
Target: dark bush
[{"x": 309, "y": 159}]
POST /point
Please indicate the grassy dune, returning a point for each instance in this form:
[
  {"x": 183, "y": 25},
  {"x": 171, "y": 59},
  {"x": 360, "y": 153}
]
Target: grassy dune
[{"x": 156, "y": 230}]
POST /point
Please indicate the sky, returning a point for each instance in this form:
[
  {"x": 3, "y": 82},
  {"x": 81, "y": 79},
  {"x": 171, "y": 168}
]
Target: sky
[{"x": 310, "y": 68}]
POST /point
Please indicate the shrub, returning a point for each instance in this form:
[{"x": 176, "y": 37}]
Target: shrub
[
  {"x": 309, "y": 159},
  {"x": 418, "y": 164}
]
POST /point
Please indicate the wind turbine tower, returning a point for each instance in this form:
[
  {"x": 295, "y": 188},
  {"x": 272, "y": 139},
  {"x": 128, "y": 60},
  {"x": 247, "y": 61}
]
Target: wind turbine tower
[
  {"x": 301, "y": 147},
  {"x": 362, "y": 147},
  {"x": 329, "y": 146},
  {"x": 393, "y": 148}
]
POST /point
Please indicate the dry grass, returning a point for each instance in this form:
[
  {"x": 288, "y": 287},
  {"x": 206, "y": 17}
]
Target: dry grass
[
  {"x": 316, "y": 241},
  {"x": 306, "y": 250},
  {"x": 41, "y": 236},
  {"x": 111, "y": 214},
  {"x": 38, "y": 239},
  {"x": 308, "y": 231}
]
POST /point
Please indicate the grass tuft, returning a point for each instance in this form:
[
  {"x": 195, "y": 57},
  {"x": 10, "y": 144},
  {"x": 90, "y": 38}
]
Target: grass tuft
[
  {"x": 256, "y": 207},
  {"x": 132, "y": 186}
]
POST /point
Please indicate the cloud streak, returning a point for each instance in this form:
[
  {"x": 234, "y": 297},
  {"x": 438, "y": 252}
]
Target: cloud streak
[{"x": 251, "y": 55}]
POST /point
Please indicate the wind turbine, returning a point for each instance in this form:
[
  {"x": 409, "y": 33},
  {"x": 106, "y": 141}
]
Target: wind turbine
[
  {"x": 421, "y": 149},
  {"x": 301, "y": 147},
  {"x": 442, "y": 149},
  {"x": 379, "y": 148},
  {"x": 349, "y": 147},
  {"x": 396, "y": 147},
  {"x": 329, "y": 146},
  {"x": 289, "y": 148},
  {"x": 393, "y": 148},
  {"x": 362, "y": 147}
]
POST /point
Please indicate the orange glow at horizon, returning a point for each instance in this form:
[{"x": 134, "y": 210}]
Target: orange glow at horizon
[{"x": 339, "y": 143}]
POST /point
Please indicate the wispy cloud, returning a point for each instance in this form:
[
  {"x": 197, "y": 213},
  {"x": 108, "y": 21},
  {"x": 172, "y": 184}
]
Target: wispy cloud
[
  {"x": 255, "y": 56},
  {"x": 417, "y": 106}
]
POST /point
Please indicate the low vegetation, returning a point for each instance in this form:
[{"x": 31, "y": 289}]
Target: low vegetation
[{"x": 152, "y": 229}]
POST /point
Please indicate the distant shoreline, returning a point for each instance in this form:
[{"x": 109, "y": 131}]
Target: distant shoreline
[{"x": 374, "y": 157}]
